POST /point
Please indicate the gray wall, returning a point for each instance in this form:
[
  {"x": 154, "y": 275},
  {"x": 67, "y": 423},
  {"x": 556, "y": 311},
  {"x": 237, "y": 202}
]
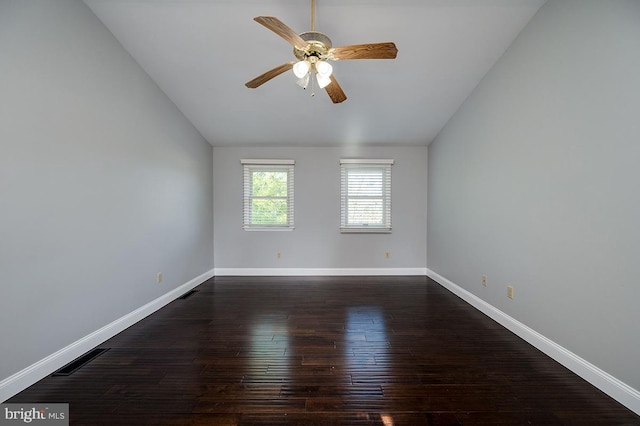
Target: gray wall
[
  {"x": 535, "y": 183},
  {"x": 103, "y": 183},
  {"x": 317, "y": 242}
]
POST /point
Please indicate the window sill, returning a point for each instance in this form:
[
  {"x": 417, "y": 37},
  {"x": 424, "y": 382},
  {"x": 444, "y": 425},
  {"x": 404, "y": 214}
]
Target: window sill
[
  {"x": 365, "y": 230},
  {"x": 268, "y": 228}
]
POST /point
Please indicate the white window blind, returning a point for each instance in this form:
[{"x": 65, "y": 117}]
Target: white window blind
[
  {"x": 268, "y": 194},
  {"x": 365, "y": 195}
]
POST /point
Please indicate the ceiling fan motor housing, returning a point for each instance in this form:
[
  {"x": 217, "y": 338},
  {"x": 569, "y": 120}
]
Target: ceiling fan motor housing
[{"x": 318, "y": 46}]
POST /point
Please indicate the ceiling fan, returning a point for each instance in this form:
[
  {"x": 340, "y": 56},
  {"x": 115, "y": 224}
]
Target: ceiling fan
[{"x": 313, "y": 51}]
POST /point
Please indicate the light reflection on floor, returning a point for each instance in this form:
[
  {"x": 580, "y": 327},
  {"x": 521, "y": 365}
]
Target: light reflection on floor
[
  {"x": 269, "y": 345},
  {"x": 362, "y": 351},
  {"x": 366, "y": 347},
  {"x": 366, "y": 341}
]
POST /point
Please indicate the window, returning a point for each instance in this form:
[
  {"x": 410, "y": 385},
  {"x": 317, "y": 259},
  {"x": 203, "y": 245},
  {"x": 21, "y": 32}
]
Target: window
[
  {"x": 365, "y": 195},
  {"x": 268, "y": 194}
]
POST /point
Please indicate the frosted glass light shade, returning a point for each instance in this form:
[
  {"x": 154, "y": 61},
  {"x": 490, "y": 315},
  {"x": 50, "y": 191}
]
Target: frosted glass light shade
[
  {"x": 323, "y": 80},
  {"x": 301, "y": 68},
  {"x": 303, "y": 81},
  {"x": 324, "y": 68}
]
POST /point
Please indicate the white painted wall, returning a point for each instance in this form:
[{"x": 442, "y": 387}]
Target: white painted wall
[
  {"x": 535, "y": 183},
  {"x": 316, "y": 242},
  {"x": 103, "y": 182}
]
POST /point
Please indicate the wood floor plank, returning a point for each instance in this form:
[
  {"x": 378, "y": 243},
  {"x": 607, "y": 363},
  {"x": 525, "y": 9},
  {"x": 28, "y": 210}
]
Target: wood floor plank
[{"x": 324, "y": 351}]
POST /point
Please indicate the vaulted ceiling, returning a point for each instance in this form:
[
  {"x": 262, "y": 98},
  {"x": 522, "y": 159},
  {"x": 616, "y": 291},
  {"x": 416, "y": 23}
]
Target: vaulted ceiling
[{"x": 202, "y": 52}]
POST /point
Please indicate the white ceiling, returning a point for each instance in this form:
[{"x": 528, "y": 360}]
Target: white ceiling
[{"x": 201, "y": 52}]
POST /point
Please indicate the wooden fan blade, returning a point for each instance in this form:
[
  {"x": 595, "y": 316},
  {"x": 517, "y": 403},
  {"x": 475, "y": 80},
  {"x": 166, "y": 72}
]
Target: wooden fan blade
[
  {"x": 335, "y": 91},
  {"x": 263, "y": 78},
  {"x": 365, "y": 51},
  {"x": 280, "y": 28}
]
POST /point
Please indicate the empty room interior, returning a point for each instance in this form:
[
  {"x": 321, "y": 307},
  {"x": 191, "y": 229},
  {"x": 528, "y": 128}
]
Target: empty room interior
[{"x": 434, "y": 222}]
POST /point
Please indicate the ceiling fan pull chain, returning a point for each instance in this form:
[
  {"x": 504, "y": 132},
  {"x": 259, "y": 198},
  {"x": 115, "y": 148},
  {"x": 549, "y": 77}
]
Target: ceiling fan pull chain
[{"x": 313, "y": 84}]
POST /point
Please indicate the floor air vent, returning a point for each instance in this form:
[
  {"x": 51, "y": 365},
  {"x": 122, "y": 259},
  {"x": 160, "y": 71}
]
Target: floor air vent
[
  {"x": 187, "y": 294},
  {"x": 79, "y": 362}
]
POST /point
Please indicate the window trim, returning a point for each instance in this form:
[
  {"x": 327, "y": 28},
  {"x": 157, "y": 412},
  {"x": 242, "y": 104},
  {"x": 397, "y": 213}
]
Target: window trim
[
  {"x": 250, "y": 165},
  {"x": 384, "y": 165}
]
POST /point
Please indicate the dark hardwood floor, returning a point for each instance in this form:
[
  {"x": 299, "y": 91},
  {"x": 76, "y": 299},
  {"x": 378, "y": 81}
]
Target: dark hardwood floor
[{"x": 324, "y": 351}]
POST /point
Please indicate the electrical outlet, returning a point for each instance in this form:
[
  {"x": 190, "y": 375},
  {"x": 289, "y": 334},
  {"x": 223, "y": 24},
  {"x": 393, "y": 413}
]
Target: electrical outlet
[
  {"x": 510, "y": 292},
  {"x": 387, "y": 255},
  {"x": 484, "y": 280},
  {"x": 278, "y": 255},
  {"x": 159, "y": 277}
]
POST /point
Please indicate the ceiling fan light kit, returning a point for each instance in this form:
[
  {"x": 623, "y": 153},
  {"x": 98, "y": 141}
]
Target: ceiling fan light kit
[{"x": 313, "y": 51}]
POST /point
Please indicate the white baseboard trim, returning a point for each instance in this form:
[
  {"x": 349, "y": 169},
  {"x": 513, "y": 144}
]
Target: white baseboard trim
[
  {"x": 618, "y": 390},
  {"x": 37, "y": 371},
  {"x": 317, "y": 271}
]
